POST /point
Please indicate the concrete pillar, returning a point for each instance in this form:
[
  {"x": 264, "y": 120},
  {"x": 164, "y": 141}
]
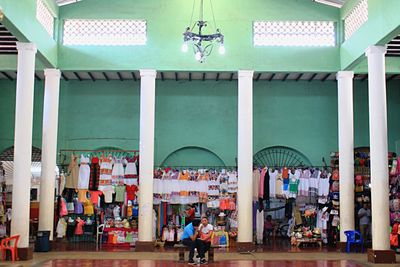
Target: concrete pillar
[
  {"x": 378, "y": 155},
  {"x": 146, "y": 159},
  {"x": 49, "y": 150},
  {"x": 346, "y": 151},
  {"x": 23, "y": 142},
  {"x": 245, "y": 159}
]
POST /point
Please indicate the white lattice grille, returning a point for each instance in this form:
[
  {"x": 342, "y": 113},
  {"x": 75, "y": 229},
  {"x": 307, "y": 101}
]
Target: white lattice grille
[
  {"x": 356, "y": 18},
  {"x": 294, "y": 33},
  {"x": 104, "y": 32},
  {"x": 45, "y": 17}
]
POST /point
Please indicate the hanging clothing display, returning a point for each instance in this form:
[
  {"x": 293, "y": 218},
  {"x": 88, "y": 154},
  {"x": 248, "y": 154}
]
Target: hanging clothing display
[
  {"x": 84, "y": 173},
  {"x": 260, "y": 226},
  {"x": 256, "y": 184},
  {"x": 105, "y": 171},
  {"x": 117, "y": 173},
  {"x": 73, "y": 173}
]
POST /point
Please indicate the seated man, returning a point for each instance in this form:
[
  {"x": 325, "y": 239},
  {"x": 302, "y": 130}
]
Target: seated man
[
  {"x": 190, "y": 238},
  {"x": 206, "y": 231}
]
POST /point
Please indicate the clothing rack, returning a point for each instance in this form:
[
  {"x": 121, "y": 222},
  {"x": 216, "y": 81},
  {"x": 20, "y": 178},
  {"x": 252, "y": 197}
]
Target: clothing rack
[
  {"x": 63, "y": 153},
  {"x": 197, "y": 167}
]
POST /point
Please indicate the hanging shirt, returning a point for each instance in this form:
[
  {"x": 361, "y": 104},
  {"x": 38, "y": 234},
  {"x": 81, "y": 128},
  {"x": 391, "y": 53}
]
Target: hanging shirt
[
  {"x": 88, "y": 208},
  {"x": 131, "y": 191},
  {"x": 61, "y": 228},
  {"x": 82, "y": 195},
  {"x": 108, "y": 192},
  {"x": 278, "y": 183},
  {"x": 120, "y": 193},
  {"x": 78, "y": 208},
  {"x": 79, "y": 227},
  {"x": 94, "y": 196}
]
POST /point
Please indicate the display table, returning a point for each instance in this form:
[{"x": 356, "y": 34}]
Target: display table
[
  {"x": 307, "y": 240},
  {"x": 122, "y": 237}
]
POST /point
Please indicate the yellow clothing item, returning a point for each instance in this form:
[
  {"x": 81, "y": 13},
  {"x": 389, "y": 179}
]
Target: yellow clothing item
[
  {"x": 82, "y": 195},
  {"x": 88, "y": 208}
]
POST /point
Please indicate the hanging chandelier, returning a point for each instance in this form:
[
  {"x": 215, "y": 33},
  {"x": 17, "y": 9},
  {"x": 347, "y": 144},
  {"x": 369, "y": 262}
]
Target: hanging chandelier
[{"x": 202, "y": 43}]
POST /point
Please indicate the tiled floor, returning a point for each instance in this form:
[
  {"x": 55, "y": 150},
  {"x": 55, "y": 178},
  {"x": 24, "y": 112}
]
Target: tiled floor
[{"x": 159, "y": 263}]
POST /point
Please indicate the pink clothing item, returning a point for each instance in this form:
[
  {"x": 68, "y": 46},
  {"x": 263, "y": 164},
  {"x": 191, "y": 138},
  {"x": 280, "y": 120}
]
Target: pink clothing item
[
  {"x": 63, "y": 208},
  {"x": 262, "y": 179},
  {"x": 79, "y": 227}
]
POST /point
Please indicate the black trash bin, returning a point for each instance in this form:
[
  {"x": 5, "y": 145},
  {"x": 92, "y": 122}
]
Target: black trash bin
[{"x": 42, "y": 241}]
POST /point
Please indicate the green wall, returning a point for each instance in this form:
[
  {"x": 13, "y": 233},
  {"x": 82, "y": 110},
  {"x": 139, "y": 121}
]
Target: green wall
[
  {"x": 301, "y": 115},
  {"x": 167, "y": 20}
]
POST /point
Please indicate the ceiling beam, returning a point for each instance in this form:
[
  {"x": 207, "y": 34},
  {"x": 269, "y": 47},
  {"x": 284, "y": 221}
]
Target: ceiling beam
[
  {"x": 162, "y": 76},
  {"x": 312, "y": 77},
  {"x": 190, "y": 76},
  {"x": 258, "y": 77},
  {"x": 204, "y": 76},
  {"x": 64, "y": 77},
  {"x": 217, "y": 78},
  {"x": 105, "y": 76},
  {"x": 285, "y": 77},
  {"x": 120, "y": 76},
  {"x": 231, "y": 78},
  {"x": 298, "y": 77},
  {"x": 91, "y": 76},
  {"x": 176, "y": 76},
  {"x": 77, "y": 76},
  {"x": 272, "y": 76},
  {"x": 7, "y": 75},
  {"x": 325, "y": 77},
  {"x": 134, "y": 76}
]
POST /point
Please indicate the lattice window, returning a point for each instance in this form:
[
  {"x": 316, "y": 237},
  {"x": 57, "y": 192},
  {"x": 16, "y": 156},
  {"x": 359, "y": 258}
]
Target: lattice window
[
  {"x": 45, "y": 17},
  {"x": 280, "y": 156},
  {"x": 356, "y": 18},
  {"x": 110, "y": 32},
  {"x": 294, "y": 33}
]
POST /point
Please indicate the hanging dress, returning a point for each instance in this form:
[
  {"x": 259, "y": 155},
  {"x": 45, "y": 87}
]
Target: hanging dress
[
  {"x": 131, "y": 175},
  {"x": 105, "y": 172},
  {"x": 94, "y": 174},
  {"x": 203, "y": 186},
  {"x": 73, "y": 173},
  {"x": 84, "y": 173},
  {"x": 118, "y": 172}
]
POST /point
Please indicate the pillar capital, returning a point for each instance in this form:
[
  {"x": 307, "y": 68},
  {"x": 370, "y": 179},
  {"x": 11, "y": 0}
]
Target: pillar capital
[
  {"x": 52, "y": 72},
  {"x": 245, "y": 73},
  {"x": 344, "y": 75},
  {"x": 26, "y": 46},
  {"x": 148, "y": 73},
  {"x": 375, "y": 49}
]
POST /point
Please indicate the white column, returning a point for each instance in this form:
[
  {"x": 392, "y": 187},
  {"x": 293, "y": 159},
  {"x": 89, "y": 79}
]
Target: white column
[
  {"x": 245, "y": 156},
  {"x": 146, "y": 149},
  {"x": 378, "y": 147},
  {"x": 23, "y": 142},
  {"x": 49, "y": 150},
  {"x": 346, "y": 151}
]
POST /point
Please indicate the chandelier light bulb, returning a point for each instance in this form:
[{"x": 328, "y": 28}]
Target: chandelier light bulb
[
  {"x": 221, "y": 49},
  {"x": 184, "y": 47},
  {"x": 197, "y": 56}
]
